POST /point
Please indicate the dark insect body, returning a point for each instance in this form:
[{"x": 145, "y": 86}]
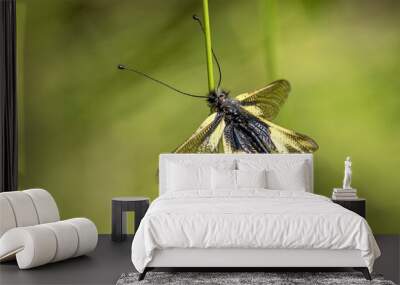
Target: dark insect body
[
  {"x": 243, "y": 131},
  {"x": 243, "y": 124}
]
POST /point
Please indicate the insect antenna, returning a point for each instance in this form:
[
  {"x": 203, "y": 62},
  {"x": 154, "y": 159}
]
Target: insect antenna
[
  {"x": 124, "y": 67},
  {"x": 197, "y": 19}
]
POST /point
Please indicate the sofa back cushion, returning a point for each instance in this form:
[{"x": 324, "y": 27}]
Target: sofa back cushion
[{"x": 26, "y": 208}]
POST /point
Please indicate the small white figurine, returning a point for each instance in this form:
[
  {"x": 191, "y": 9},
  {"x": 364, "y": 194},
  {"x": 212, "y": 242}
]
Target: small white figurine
[{"x": 347, "y": 174}]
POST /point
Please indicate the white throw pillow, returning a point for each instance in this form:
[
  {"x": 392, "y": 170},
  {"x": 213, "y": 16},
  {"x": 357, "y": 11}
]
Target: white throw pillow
[
  {"x": 188, "y": 177},
  {"x": 251, "y": 178},
  {"x": 292, "y": 178},
  {"x": 281, "y": 174},
  {"x": 223, "y": 179}
]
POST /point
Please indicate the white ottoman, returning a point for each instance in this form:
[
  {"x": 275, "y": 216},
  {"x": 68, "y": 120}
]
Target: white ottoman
[{"x": 31, "y": 232}]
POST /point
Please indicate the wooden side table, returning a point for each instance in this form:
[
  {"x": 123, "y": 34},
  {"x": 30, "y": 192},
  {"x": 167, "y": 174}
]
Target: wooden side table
[
  {"x": 358, "y": 205},
  {"x": 121, "y": 205}
]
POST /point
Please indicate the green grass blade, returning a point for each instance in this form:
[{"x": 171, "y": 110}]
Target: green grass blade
[{"x": 210, "y": 70}]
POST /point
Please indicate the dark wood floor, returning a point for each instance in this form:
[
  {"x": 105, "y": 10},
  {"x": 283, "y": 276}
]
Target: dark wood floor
[
  {"x": 103, "y": 266},
  {"x": 110, "y": 260}
]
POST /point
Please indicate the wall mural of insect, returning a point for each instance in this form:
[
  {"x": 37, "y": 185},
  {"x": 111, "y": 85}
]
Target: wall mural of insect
[{"x": 242, "y": 124}]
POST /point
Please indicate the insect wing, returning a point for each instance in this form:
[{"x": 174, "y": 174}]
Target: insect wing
[
  {"x": 266, "y": 102},
  {"x": 206, "y": 138},
  {"x": 288, "y": 141}
]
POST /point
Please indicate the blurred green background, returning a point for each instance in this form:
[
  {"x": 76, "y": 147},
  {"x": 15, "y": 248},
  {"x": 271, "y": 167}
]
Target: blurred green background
[{"x": 89, "y": 132}]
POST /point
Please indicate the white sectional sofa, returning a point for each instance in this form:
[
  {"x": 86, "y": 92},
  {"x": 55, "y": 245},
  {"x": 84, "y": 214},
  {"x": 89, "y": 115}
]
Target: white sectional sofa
[{"x": 31, "y": 230}]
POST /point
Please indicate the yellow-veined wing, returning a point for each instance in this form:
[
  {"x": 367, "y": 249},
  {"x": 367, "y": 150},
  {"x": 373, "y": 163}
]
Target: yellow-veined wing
[
  {"x": 206, "y": 138},
  {"x": 288, "y": 141},
  {"x": 266, "y": 102}
]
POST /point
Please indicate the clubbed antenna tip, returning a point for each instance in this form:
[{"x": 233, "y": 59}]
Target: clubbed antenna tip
[{"x": 121, "y": 66}]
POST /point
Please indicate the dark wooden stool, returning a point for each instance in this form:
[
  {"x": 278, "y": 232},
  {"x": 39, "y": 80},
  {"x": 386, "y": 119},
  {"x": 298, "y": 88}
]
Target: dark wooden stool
[{"x": 121, "y": 205}]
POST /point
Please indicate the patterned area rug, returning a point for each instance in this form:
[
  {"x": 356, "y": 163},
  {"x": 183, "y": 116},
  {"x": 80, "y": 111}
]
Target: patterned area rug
[{"x": 243, "y": 278}]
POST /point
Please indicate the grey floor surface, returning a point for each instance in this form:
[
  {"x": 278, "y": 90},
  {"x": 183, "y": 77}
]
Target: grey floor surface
[
  {"x": 110, "y": 260},
  {"x": 103, "y": 266}
]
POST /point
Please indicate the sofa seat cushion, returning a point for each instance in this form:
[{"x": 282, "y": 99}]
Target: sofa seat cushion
[{"x": 40, "y": 244}]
